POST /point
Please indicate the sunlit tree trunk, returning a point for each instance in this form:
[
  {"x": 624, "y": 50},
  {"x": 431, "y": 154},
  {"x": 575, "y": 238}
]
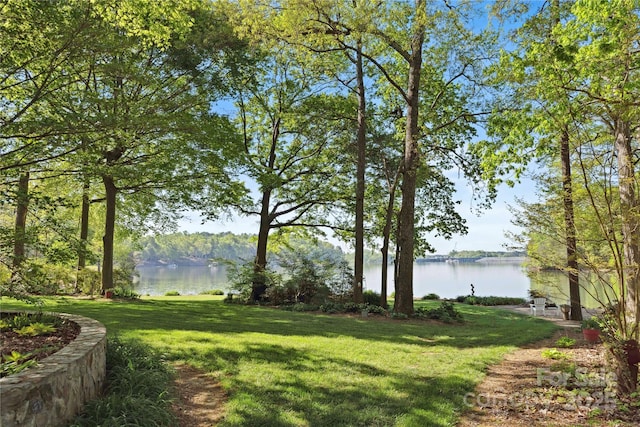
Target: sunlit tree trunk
[
  {"x": 570, "y": 228},
  {"x": 406, "y": 227},
  {"x": 258, "y": 287},
  {"x": 360, "y": 183},
  {"x": 20, "y": 230}
]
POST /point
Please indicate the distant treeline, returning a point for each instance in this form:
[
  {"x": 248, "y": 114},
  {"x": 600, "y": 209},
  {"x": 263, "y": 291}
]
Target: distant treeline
[
  {"x": 486, "y": 254},
  {"x": 203, "y": 248}
]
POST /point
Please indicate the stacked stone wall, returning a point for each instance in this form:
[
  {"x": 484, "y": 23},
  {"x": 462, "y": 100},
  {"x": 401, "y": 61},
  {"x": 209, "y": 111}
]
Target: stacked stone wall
[{"x": 55, "y": 391}]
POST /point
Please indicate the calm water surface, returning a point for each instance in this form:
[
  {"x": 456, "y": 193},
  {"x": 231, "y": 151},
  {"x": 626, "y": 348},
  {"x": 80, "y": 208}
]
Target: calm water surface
[{"x": 447, "y": 280}]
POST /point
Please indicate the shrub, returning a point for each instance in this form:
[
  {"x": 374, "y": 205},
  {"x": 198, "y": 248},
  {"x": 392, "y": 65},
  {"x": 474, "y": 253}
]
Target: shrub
[
  {"x": 124, "y": 293},
  {"x": 212, "y": 292},
  {"x": 300, "y": 306},
  {"x": 89, "y": 281},
  {"x": 351, "y": 307},
  {"x": 491, "y": 300},
  {"x": 374, "y": 309},
  {"x": 591, "y": 323},
  {"x": 172, "y": 294},
  {"x": 399, "y": 316},
  {"x": 241, "y": 277},
  {"x": 340, "y": 285},
  {"x": 370, "y": 297},
  {"x": 431, "y": 296},
  {"x": 331, "y": 307},
  {"x": 446, "y": 312}
]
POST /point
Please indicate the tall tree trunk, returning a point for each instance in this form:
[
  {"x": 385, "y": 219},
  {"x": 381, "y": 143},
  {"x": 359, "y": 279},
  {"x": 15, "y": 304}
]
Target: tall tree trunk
[
  {"x": 84, "y": 225},
  {"x": 406, "y": 227},
  {"x": 386, "y": 234},
  {"x": 258, "y": 287},
  {"x": 111, "y": 193},
  {"x": 570, "y": 228},
  {"x": 20, "y": 229},
  {"x": 360, "y": 183},
  {"x": 630, "y": 218},
  {"x": 630, "y": 215}
]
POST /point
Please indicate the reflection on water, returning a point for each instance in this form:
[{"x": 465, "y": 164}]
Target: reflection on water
[
  {"x": 187, "y": 280},
  {"x": 447, "y": 280}
]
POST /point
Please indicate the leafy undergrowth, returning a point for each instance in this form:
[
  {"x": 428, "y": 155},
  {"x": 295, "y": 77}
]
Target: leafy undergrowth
[
  {"x": 30, "y": 337},
  {"x": 137, "y": 390},
  {"x": 283, "y": 368}
]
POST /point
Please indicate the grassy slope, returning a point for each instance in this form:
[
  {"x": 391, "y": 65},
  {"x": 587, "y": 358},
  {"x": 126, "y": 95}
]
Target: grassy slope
[{"x": 297, "y": 369}]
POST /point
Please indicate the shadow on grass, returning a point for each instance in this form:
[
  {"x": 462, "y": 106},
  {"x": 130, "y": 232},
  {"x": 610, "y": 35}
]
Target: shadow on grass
[
  {"x": 482, "y": 327},
  {"x": 401, "y": 399}
]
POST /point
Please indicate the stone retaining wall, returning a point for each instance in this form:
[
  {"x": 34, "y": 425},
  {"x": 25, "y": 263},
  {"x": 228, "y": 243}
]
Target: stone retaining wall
[{"x": 54, "y": 391}]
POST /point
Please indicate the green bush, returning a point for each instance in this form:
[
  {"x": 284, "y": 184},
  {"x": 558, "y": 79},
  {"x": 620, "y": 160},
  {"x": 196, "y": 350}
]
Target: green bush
[
  {"x": 490, "y": 300},
  {"x": 431, "y": 296},
  {"x": 446, "y": 312},
  {"x": 89, "y": 281},
  {"x": 462, "y": 298},
  {"x": 300, "y": 307},
  {"x": 124, "y": 293},
  {"x": 172, "y": 294},
  {"x": 373, "y": 309},
  {"x": 370, "y": 297},
  {"x": 331, "y": 307},
  {"x": 351, "y": 307},
  {"x": 212, "y": 292}
]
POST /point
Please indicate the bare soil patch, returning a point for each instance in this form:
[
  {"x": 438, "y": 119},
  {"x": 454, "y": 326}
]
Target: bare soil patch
[
  {"x": 527, "y": 389},
  {"x": 200, "y": 400}
]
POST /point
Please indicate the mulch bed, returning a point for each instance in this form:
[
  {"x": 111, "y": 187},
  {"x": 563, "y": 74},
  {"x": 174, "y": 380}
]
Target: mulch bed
[{"x": 39, "y": 346}]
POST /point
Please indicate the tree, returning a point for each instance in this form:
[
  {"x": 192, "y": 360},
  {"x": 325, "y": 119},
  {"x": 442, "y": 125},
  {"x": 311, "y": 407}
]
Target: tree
[
  {"x": 601, "y": 44},
  {"x": 143, "y": 106},
  {"x": 587, "y": 71},
  {"x": 390, "y": 37},
  {"x": 291, "y": 134},
  {"x": 316, "y": 29},
  {"x": 536, "y": 73}
]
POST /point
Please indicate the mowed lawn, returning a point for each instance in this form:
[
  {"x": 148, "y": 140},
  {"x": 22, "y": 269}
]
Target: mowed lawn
[{"x": 284, "y": 368}]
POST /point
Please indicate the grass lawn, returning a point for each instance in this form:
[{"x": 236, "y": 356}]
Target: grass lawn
[{"x": 284, "y": 368}]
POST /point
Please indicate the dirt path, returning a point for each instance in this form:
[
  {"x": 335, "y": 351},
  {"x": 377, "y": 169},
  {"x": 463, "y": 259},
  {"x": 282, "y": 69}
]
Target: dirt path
[
  {"x": 528, "y": 388},
  {"x": 201, "y": 398}
]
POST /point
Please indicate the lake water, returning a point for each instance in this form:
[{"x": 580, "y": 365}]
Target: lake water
[{"x": 447, "y": 280}]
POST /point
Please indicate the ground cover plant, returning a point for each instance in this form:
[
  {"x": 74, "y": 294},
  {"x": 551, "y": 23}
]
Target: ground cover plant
[
  {"x": 288, "y": 368},
  {"x": 137, "y": 391},
  {"x": 29, "y": 337}
]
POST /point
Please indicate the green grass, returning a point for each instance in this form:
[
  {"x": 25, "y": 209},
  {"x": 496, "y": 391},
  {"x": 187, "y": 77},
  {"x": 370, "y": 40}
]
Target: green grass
[{"x": 283, "y": 368}]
